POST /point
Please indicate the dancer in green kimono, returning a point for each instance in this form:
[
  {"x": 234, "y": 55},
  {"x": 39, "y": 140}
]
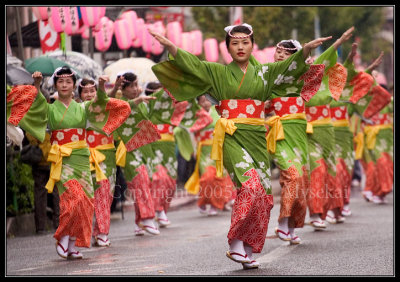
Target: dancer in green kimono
[
  {"x": 324, "y": 194},
  {"x": 69, "y": 154},
  {"x": 135, "y": 153},
  {"x": 241, "y": 88},
  {"x": 173, "y": 119}
]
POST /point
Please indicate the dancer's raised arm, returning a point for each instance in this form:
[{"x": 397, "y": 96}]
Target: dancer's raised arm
[{"x": 171, "y": 47}]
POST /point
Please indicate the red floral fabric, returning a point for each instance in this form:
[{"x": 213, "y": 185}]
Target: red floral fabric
[
  {"x": 318, "y": 193},
  {"x": 288, "y": 105},
  {"x": 251, "y": 213},
  {"x": 102, "y": 208},
  {"x": 312, "y": 81},
  {"x": 203, "y": 135},
  {"x": 241, "y": 108},
  {"x": 148, "y": 133},
  {"x": 64, "y": 136},
  {"x": 22, "y": 97},
  {"x": 293, "y": 195},
  {"x": 337, "y": 80},
  {"x": 362, "y": 83},
  {"x": 165, "y": 128},
  {"x": 317, "y": 112},
  {"x": 179, "y": 112},
  {"x": 214, "y": 190},
  {"x": 119, "y": 111},
  {"x": 339, "y": 113},
  {"x": 380, "y": 98},
  {"x": 163, "y": 188},
  {"x": 343, "y": 181},
  {"x": 94, "y": 139},
  {"x": 76, "y": 214},
  {"x": 140, "y": 189}
]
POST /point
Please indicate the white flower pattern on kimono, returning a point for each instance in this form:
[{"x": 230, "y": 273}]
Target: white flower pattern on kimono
[
  {"x": 257, "y": 102},
  {"x": 90, "y": 139},
  {"x": 188, "y": 123},
  {"x": 74, "y": 138},
  {"x": 157, "y": 105},
  {"x": 325, "y": 112},
  {"x": 313, "y": 110},
  {"x": 60, "y": 135},
  {"x": 242, "y": 165},
  {"x": 130, "y": 121},
  {"x": 232, "y": 104},
  {"x": 127, "y": 131},
  {"x": 165, "y": 105},
  {"x": 100, "y": 117},
  {"x": 346, "y": 93},
  {"x": 80, "y": 131},
  {"x": 67, "y": 171},
  {"x": 284, "y": 154},
  {"x": 250, "y": 109},
  {"x": 278, "y": 106},
  {"x": 104, "y": 140},
  {"x": 188, "y": 114},
  {"x": 225, "y": 113},
  {"x": 299, "y": 101},
  {"x": 338, "y": 113},
  {"x": 241, "y": 115},
  {"x": 285, "y": 99},
  {"x": 134, "y": 163},
  {"x": 165, "y": 115},
  {"x": 362, "y": 102},
  {"x": 293, "y": 109},
  {"x": 291, "y": 89},
  {"x": 292, "y": 66}
]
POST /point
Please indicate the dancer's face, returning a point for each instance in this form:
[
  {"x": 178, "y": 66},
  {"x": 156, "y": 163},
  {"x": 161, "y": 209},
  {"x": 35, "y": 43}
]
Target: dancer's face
[
  {"x": 204, "y": 103},
  {"x": 88, "y": 94},
  {"x": 132, "y": 90},
  {"x": 281, "y": 54},
  {"x": 240, "y": 49},
  {"x": 65, "y": 87}
]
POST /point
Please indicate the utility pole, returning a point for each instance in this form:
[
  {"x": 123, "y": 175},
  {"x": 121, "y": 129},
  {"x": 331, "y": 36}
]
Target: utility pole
[{"x": 19, "y": 35}]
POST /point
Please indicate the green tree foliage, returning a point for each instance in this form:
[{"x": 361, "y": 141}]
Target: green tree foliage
[{"x": 274, "y": 23}]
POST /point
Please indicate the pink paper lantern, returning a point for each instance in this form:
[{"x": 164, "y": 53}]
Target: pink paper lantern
[
  {"x": 92, "y": 15},
  {"x": 72, "y": 25},
  {"x": 224, "y": 52},
  {"x": 147, "y": 38},
  {"x": 122, "y": 34},
  {"x": 84, "y": 31},
  {"x": 174, "y": 32},
  {"x": 140, "y": 26},
  {"x": 211, "y": 49},
  {"x": 58, "y": 18},
  {"x": 197, "y": 40},
  {"x": 260, "y": 56},
  {"x": 186, "y": 43},
  {"x": 156, "y": 47},
  {"x": 41, "y": 13},
  {"x": 269, "y": 54},
  {"x": 131, "y": 18},
  {"x": 103, "y": 37}
]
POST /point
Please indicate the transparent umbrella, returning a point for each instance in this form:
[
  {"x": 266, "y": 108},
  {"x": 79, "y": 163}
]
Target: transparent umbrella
[
  {"x": 18, "y": 76},
  {"x": 140, "y": 66}
]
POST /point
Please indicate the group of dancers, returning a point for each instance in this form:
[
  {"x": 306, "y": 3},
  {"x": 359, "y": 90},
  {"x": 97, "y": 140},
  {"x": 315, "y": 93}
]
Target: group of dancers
[{"x": 236, "y": 119}]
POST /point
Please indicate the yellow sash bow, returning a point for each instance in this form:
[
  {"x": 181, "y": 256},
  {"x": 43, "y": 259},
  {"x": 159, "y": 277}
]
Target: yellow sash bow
[
  {"x": 371, "y": 131},
  {"x": 223, "y": 126},
  {"x": 55, "y": 156},
  {"x": 276, "y": 130},
  {"x": 311, "y": 124},
  {"x": 120, "y": 154},
  {"x": 97, "y": 157},
  {"x": 341, "y": 123},
  {"x": 167, "y": 137},
  {"x": 359, "y": 140},
  {"x": 193, "y": 183}
]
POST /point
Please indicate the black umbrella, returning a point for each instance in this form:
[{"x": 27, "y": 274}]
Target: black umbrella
[{"x": 18, "y": 76}]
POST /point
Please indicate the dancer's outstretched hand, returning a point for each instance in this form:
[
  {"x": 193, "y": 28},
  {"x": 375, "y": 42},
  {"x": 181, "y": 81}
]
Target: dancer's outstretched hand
[
  {"x": 171, "y": 47},
  {"x": 313, "y": 44}
]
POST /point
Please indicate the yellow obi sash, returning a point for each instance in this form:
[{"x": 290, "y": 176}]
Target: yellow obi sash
[
  {"x": 341, "y": 123},
  {"x": 120, "y": 154},
  {"x": 167, "y": 137},
  {"x": 359, "y": 140},
  {"x": 223, "y": 126},
  {"x": 371, "y": 131},
  {"x": 56, "y": 153},
  {"x": 311, "y": 124},
  {"x": 97, "y": 157},
  {"x": 193, "y": 183},
  {"x": 276, "y": 130}
]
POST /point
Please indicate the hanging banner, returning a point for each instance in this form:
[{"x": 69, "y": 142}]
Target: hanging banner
[{"x": 49, "y": 39}]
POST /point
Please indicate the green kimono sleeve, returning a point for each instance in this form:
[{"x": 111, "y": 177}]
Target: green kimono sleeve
[
  {"x": 28, "y": 108},
  {"x": 183, "y": 142},
  {"x": 106, "y": 114},
  {"x": 186, "y": 77}
]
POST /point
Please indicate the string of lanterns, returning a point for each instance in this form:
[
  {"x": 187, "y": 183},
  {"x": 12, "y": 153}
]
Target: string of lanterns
[{"x": 131, "y": 31}]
